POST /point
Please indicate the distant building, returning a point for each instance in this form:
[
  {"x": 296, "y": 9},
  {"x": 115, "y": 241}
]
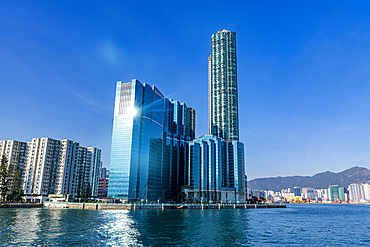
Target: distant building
[
  {"x": 359, "y": 192},
  {"x": 258, "y": 193},
  {"x": 297, "y": 191},
  {"x": 321, "y": 194},
  {"x": 104, "y": 172},
  {"x": 308, "y": 193},
  {"x": 270, "y": 195},
  {"x": 366, "y": 188},
  {"x": 336, "y": 193}
]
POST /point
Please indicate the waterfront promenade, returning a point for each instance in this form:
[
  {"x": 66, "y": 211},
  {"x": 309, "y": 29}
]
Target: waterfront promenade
[{"x": 97, "y": 206}]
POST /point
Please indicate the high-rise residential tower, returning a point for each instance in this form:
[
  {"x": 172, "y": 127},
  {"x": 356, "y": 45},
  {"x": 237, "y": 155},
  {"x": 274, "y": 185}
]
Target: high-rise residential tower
[
  {"x": 88, "y": 171},
  {"x": 216, "y": 162},
  {"x": 223, "y": 88}
]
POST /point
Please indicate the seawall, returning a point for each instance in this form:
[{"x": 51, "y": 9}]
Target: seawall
[
  {"x": 97, "y": 206},
  {"x": 21, "y": 205}
]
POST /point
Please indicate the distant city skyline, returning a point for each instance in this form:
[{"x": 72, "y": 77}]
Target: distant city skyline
[{"x": 303, "y": 72}]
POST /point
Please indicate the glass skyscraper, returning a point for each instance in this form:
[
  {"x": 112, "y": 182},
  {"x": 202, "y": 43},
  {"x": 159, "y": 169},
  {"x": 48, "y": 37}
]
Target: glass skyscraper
[
  {"x": 149, "y": 143},
  {"x": 223, "y": 87}
]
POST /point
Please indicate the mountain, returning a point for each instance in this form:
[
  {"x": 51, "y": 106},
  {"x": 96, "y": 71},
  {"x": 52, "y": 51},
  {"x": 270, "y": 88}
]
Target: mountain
[{"x": 318, "y": 181}]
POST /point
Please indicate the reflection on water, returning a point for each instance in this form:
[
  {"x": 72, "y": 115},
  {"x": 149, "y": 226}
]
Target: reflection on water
[
  {"x": 175, "y": 227},
  {"x": 120, "y": 228},
  {"x": 296, "y": 225}
]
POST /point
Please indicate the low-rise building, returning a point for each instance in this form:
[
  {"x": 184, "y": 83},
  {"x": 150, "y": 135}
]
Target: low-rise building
[{"x": 103, "y": 187}]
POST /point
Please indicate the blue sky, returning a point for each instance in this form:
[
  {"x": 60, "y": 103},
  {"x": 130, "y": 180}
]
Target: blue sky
[{"x": 303, "y": 73}]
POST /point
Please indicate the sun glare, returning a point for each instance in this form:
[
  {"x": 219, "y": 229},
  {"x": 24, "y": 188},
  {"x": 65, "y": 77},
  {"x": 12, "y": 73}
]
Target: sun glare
[{"x": 131, "y": 112}]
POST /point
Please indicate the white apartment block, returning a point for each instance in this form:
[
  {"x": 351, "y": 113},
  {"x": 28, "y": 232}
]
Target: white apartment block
[
  {"x": 14, "y": 151},
  {"x": 366, "y": 188},
  {"x": 322, "y": 194},
  {"x": 358, "y": 192},
  {"x": 308, "y": 193},
  {"x": 88, "y": 170},
  {"x": 49, "y": 166}
]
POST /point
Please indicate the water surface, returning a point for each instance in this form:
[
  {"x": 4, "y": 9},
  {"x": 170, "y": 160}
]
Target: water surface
[{"x": 296, "y": 225}]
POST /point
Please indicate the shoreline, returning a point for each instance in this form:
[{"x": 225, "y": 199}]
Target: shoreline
[
  {"x": 21, "y": 205},
  {"x": 102, "y": 206}
]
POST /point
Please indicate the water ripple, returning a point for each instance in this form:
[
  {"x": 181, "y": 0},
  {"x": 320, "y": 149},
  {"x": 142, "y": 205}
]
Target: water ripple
[{"x": 297, "y": 225}]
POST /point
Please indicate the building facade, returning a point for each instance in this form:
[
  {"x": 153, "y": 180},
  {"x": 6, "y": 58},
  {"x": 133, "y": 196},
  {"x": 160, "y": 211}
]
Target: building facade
[
  {"x": 15, "y": 152},
  {"x": 50, "y": 167},
  {"x": 179, "y": 129},
  {"x": 359, "y": 192},
  {"x": 223, "y": 86},
  {"x": 149, "y": 143},
  {"x": 336, "y": 193},
  {"x": 88, "y": 171},
  {"x": 104, "y": 172},
  {"x": 308, "y": 193},
  {"x": 297, "y": 191}
]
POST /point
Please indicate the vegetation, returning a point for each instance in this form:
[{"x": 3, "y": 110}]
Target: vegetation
[
  {"x": 255, "y": 200},
  {"x": 17, "y": 191},
  {"x": 183, "y": 187},
  {"x": 181, "y": 196},
  {"x": 85, "y": 191},
  {"x": 4, "y": 178}
]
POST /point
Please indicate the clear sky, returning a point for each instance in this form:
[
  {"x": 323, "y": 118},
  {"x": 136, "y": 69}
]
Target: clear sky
[{"x": 303, "y": 73}]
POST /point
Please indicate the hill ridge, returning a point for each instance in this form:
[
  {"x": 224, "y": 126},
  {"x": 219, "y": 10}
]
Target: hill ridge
[{"x": 320, "y": 180}]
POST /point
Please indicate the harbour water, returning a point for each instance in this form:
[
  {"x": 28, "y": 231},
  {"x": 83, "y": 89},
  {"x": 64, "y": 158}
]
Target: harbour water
[{"x": 296, "y": 225}]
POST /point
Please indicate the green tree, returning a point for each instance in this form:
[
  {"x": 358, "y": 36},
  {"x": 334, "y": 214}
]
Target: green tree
[
  {"x": 17, "y": 191},
  {"x": 181, "y": 196},
  {"x": 3, "y": 177},
  {"x": 83, "y": 192},
  {"x": 88, "y": 190}
]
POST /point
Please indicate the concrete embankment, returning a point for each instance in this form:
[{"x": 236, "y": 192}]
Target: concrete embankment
[
  {"x": 97, "y": 206},
  {"x": 21, "y": 205}
]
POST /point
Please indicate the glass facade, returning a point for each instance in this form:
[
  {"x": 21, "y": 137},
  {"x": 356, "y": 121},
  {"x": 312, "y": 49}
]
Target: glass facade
[
  {"x": 179, "y": 129},
  {"x": 216, "y": 170},
  {"x": 223, "y": 89},
  {"x": 149, "y": 143}
]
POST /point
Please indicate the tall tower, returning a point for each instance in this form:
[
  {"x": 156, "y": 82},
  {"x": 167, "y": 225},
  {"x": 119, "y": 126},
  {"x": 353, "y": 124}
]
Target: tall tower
[{"x": 223, "y": 89}]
